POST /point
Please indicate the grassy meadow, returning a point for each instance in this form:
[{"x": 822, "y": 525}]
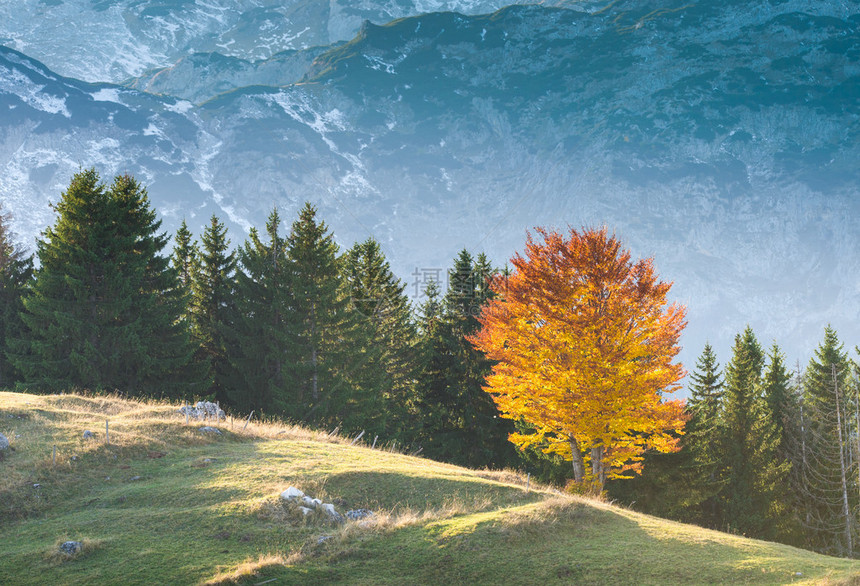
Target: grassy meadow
[{"x": 164, "y": 503}]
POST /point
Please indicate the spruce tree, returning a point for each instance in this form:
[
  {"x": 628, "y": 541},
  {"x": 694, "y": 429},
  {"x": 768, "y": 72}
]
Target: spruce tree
[
  {"x": 184, "y": 255},
  {"x": 829, "y": 356},
  {"x": 263, "y": 332},
  {"x": 749, "y": 445},
  {"x": 169, "y": 370},
  {"x": 783, "y": 407},
  {"x": 684, "y": 485},
  {"x": 433, "y": 356},
  {"x": 702, "y": 435},
  {"x": 829, "y": 469},
  {"x": 103, "y": 310},
  {"x": 212, "y": 306},
  {"x": 444, "y": 371},
  {"x": 16, "y": 273},
  {"x": 781, "y": 401},
  {"x": 183, "y": 261},
  {"x": 321, "y": 364},
  {"x": 462, "y": 427},
  {"x": 385, "y": 343}
]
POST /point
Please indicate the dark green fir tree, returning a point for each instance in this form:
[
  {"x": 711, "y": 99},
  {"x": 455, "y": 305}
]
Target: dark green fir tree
[
  {"x": 103, "y": 311},
  {"x": 701, "y": 439},
  {"x": 829, "y": 469},
  {"x": 320, "y": 356},
  {"x": 212, "y": 306},
  {"x": 462, "y": 426},
  {"x": 263, "y": 334},
  {"x": 684, "y": 485},
  {"x": 433, "y": 360},
  {"x": 781, "y": 400},
  {"x": 184, "y": 255},
  {"x": 385, "y": 351},
  {"x": 783, "y": 404},
  {"x": 749, "y": 446},
  {"x": 16, "y": 273}
]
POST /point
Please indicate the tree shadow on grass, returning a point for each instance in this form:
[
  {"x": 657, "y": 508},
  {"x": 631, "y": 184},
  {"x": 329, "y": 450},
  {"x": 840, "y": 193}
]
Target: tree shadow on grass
[
  {"x": 559, "y": 541},
  {"x": 392, "y": 490}
]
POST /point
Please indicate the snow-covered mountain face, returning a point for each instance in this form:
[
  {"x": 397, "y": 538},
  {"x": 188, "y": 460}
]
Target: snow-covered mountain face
[
  {"x": 720, "y": 138},
  {"x": 113, "y": 40}
]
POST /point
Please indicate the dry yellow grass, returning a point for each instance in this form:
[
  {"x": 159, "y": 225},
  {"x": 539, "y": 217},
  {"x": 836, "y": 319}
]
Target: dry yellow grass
[{"x": 249, "y": 568}]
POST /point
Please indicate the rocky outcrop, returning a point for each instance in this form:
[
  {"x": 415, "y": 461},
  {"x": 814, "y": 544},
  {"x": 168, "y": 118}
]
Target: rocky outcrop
[
  {"x": 306, "y": 505},
  {"x": 292, "y": 493},
  {"x": 203, "y": 410}
]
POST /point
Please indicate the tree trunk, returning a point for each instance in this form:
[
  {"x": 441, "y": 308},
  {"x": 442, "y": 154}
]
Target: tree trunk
[
  {"x": 598, "y": 470},
  {"x": 315, "y": 382},
  {"x": 578, "y": 465},
  {"x": 315, "y": 393},
  {"x": 857, "y": 429},
  {"x": 846, "y": 511},
  {"x": 804, "y": 463}
]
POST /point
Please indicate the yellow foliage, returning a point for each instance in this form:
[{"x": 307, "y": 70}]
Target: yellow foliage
[{"x": 584, "y": 342}]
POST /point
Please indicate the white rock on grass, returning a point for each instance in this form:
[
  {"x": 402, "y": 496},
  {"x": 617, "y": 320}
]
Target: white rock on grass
[
  {"x": 4, "y": 443},
  {"x": 292, "y": 493},
  {"x": 311, "y": 502},
  {"x": 208, "y": 429},
  {"x": 331, "y": 512},
  {"x": 88, "y": 434}
]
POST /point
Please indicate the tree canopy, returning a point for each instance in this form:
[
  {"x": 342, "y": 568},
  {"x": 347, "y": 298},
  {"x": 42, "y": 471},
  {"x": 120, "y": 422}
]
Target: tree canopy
[
  {"x": 584, "y": 342},
  {"x": 101, "y": 314},
  {"x": 16, "y": 273}
]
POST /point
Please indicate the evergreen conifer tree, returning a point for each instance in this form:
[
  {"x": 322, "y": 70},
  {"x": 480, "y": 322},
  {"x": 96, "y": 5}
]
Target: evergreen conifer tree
[
  {"x": 462, "y": 427},
  {"x": 684, "y": 485},
  {"x": 103, "y": 310},
  {"x": 783, "y": 405},
  {"x": 321, "y": 365},
  {"x": 212, "y": 306},
  {"x": 263, "y": 333},
  {"x": 385, "y": 345},
  {"x": 702, "y": 435},
  {"x": 829, "y": 469},
  {"x": 16, "y": 273},
  {"x": 433, "y": 356},
  {"x": 749, "y": 445},
  {"x": 183, "y": 261},
  {"x": 184, "y": 255},
  {"x": 781, "y": 401}
]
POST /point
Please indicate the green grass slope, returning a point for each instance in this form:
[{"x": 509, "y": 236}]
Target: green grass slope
[{"x": 164, "y": 503}]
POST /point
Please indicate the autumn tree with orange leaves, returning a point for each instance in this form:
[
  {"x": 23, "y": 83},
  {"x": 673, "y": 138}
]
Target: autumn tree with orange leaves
[{"x": 584, "y": 342}]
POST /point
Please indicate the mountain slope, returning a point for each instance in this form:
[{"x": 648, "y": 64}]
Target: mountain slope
[
  {"x": 112, "y": 40},
  {"x": 202, "y": 76},
  {"x": 720, "y": 138},
  {"x": 164, "y": 502}
]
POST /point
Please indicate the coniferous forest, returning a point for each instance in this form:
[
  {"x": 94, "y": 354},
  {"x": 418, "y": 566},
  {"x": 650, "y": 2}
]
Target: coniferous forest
[{"x": 288, "y": 325}]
